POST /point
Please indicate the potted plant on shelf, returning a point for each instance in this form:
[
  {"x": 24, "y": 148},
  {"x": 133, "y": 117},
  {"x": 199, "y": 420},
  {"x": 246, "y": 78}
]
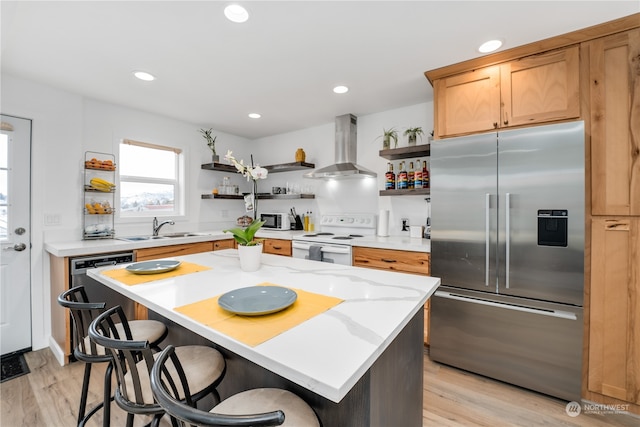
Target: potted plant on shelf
[
  {"x": 413, "y": 133},
  {"x": 211, "y": 143},
  {"x": 249, "y": 248},
  {"x": 387, "y": 136}
]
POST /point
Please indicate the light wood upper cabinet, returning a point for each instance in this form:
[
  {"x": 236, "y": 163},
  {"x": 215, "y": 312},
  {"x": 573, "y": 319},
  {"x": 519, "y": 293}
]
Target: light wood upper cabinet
[
  {"x": 614, "y": 331},
  {"x": 614, "y": 91},
  {"x": 468, "y": 102},
  {"x": 535, "y": 89},
  {"x": 540, "y": 88}
]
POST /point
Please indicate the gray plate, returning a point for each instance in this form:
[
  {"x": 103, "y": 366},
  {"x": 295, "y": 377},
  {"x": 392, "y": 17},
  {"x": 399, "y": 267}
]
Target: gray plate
[
  {"x": 257, "y": 300},
  {"x": 152, "y": 267}
]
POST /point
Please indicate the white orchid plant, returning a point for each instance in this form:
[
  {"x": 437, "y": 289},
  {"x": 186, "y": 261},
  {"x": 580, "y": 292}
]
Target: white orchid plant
[{"x": 251, "y": 172}]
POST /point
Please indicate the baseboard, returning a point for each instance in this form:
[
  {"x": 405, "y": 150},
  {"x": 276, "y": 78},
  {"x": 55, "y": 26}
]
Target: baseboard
[{"x": 57, "y": 351}]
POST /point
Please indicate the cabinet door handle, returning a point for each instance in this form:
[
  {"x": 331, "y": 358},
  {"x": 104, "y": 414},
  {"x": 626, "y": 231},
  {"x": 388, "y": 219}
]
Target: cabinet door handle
[
  {"x": 495, "y": 125},
  {"x": 277, "y": 247},
  {"x": 506, "y": 118},
  {"x": 388, "y": 260}
]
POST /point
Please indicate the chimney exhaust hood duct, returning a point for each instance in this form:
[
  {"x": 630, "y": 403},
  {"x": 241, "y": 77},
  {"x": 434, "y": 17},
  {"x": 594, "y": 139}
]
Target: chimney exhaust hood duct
[{"x": 345, "y": 153}]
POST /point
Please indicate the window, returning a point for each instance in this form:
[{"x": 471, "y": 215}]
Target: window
[{"x": 149, "y": 179}]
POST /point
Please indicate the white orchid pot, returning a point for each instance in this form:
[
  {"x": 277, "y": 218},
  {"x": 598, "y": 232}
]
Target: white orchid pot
[{"x": 250, "y": 257}]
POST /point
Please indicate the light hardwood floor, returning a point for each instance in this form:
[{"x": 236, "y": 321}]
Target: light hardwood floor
[{"x": 48, "y": 396}]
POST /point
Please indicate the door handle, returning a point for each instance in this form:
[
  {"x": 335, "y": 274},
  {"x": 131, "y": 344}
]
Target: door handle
[
  {"x": 507, "y": 225},
  {"x": 506, "y": 118},
  {"x": 487, "y": 235},
  {"x": 18, "y": 247}
]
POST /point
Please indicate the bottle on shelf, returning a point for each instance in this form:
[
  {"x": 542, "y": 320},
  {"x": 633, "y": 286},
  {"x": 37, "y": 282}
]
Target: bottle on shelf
[
  {"x": 390, "y": 178},
  {"x": 417, "y": 175},
  {"x": 410, "y": 176},
  {"x": 425, "y": 175},
  {"x": 401, "y": 183}
]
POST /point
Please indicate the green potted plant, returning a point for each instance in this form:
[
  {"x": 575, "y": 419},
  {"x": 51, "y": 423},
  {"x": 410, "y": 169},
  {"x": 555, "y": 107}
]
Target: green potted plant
[
  {"x": 211, "y": 143},
  {"x": 413, "y": 133},
  {"x": 387, "y": 136},
  {"x": 249, "y": 248},
  {"x": 245, "y": 236}
]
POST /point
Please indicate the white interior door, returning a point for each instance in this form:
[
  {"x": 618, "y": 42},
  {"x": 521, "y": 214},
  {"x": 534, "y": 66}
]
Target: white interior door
[{"x": 15, "y": 237}]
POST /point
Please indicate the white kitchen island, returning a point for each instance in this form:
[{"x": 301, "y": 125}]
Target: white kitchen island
[{"x": 358, "y": 363}]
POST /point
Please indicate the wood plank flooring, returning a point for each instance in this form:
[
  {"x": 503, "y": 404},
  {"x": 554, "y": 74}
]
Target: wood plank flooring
[{"x": 48, "y": 396}]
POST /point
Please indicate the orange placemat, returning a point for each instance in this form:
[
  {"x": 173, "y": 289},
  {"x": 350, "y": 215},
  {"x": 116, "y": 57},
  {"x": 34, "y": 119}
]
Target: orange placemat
[
  {"x": 129, "y": 278},
  {"x": 254, "y": 330}
]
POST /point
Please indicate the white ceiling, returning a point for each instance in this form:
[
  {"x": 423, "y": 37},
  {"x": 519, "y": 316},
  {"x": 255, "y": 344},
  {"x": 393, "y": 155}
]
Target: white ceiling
[{"x": 282, "y": 63}]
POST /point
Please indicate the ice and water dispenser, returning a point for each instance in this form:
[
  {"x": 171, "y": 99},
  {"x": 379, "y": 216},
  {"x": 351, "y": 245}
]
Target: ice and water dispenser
[{"x": 553, "y": 227}]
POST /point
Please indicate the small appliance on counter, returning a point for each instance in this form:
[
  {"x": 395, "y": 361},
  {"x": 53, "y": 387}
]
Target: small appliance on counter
[{"x": 276, "y": 221}]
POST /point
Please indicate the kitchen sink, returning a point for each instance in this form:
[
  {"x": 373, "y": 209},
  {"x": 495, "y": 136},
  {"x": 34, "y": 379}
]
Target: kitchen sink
[
  {"x": 178, "y": 235},
  {"x": 140, "y": 238}
]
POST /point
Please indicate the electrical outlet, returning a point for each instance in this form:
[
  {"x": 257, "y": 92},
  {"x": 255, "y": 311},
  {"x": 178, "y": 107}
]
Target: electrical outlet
[
  {"x": 52, "y": 219},
  {"x": 405, "y": 224}
]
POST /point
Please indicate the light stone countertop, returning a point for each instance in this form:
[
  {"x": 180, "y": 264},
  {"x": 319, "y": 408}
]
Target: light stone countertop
[
  {"x": 326, "y": 354},
  {"x": 94, "y": 247}
]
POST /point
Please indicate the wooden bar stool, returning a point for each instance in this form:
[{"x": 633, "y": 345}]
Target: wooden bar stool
[
  {"x": 133, "y": 360},
  {"x": 256, "y": 407},
  {"x": 83, "y": 312}
]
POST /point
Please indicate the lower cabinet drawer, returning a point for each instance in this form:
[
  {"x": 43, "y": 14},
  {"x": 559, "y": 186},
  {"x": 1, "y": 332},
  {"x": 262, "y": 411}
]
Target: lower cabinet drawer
[
  {"x": 394, "y": 260},
  {"x": 277, "y": 247}
]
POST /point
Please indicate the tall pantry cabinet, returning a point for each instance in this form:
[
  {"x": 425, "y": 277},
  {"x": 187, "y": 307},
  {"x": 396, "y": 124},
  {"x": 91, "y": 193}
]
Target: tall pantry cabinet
[
  {"x": 614, "y": 329},
  {"x": 536, "y": 83}
]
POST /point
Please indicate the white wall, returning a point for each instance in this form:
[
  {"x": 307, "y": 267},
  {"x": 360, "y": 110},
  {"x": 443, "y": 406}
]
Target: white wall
[
  {"x": 351, "y": 195},
  {"x": 66, "y": 125}
]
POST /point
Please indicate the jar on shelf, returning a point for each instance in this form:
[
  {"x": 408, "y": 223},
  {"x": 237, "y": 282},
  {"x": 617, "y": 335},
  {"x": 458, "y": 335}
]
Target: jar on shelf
[{"x": 300, "y": 155}]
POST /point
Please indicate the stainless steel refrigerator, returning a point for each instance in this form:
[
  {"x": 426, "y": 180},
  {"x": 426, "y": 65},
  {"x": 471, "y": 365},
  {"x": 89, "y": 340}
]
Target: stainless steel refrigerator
[{"x": 507, "y": 240}]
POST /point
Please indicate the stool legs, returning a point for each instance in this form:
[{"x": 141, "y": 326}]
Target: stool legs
[
  {"x": 107, "y": 398},
  {"x": 85, "y": 390}
]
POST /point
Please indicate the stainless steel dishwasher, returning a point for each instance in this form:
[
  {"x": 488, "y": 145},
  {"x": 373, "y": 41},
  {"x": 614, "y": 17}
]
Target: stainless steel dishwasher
[{"x": 96, "y": 291}]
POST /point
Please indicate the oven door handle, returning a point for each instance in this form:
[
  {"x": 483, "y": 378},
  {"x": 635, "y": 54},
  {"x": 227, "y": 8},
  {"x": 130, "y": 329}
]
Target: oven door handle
[
  {"x": 329, "y": 249},
  {"x": 336, "y": 249}
]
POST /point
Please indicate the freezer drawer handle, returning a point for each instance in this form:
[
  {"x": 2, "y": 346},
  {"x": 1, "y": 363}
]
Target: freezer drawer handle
[{"x": 552, "y": 313}]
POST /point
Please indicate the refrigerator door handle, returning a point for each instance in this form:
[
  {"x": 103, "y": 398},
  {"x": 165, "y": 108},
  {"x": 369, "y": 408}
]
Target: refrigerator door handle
[
  {"x": 507, "y": 226},
  {"x": 487, "y": 235},
  {"x": 552, "y": 313}
]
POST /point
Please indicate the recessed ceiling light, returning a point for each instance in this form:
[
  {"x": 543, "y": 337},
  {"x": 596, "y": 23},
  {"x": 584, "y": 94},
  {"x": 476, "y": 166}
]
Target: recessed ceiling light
[
  {"x": 144, "y": 76},
  {"x": 254, "y": 115},
  {"x": 236, "y": 13},
  {"x": 490, "y": 46},
  {"x": 341, "y": 89}
]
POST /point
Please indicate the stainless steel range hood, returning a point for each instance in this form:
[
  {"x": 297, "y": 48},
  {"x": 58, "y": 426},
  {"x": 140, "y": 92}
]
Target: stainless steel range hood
[{"x": 345, "y": 165}]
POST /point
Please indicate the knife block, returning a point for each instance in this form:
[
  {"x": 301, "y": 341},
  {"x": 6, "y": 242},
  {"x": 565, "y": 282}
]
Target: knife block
[{"x": 298, "y": 223}]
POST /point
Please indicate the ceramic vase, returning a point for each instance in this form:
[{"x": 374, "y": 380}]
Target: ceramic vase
[
  {"x": 300, "y": 155},
  {"x": 412, "y": 139},
  {"x": 250, "y": 257}
]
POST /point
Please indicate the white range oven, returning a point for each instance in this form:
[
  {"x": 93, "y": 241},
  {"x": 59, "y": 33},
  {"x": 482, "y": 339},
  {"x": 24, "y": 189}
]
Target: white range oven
[{"x": 334, "y": 238}]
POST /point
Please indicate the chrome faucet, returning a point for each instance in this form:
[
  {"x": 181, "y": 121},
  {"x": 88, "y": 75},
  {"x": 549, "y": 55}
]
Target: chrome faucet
[{"x": 157, "y": 227}]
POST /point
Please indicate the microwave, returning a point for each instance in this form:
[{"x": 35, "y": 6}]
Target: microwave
[{"x": 276, "y": 221}]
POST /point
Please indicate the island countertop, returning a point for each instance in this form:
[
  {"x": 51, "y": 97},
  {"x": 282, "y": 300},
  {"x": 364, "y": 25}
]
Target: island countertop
[{"x": 326, "y": 354}]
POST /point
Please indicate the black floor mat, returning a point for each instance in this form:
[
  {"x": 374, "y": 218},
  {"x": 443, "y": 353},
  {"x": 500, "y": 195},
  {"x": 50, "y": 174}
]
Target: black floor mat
[{"x": 13, "y": 366}]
